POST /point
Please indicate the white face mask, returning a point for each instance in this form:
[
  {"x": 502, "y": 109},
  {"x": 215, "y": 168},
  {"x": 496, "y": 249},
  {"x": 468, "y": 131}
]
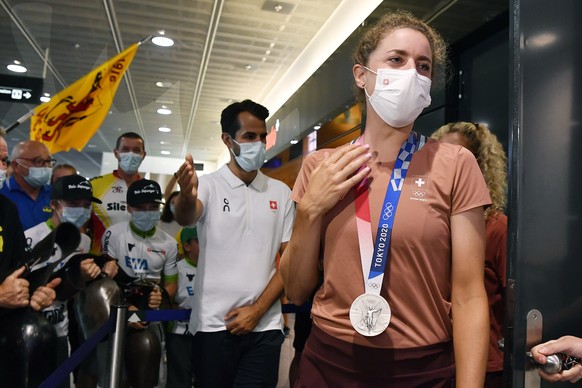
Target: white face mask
[
  {"x": 252, "y": 155},
  {"x": 2, "y": 177},
  {"x": 145, "y": 220},
  {"x": 38, "y": 176},
  {"x": 75, "y": 215},
  {"x": 399, "y": 95},
  {"x": 129, "y": 162}
]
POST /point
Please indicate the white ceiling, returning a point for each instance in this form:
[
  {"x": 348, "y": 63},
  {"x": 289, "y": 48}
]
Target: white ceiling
[{"x": 225, "y": 50}]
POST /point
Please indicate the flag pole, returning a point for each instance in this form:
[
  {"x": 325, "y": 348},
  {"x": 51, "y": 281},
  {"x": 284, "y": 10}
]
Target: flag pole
[
  {"x": 145, "y": 40},
  {"x": 19, "y": 121},
  {"x": 46, "y": 54}
]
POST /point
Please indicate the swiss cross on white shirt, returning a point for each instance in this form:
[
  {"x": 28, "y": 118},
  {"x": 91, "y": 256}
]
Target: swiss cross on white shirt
[
  {"x": 419, "y": 182},
  {"x": 273, "y": 205}
]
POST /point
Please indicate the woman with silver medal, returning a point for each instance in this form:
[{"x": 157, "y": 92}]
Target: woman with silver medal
[{"x": 396, "y": 223}]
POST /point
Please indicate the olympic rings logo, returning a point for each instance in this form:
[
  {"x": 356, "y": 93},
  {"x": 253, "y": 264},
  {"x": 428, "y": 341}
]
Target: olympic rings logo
[
  {"x": 388, "y": 209},
  {"x": 418, "y": 193},
  {"x": 375, "y": 286}
]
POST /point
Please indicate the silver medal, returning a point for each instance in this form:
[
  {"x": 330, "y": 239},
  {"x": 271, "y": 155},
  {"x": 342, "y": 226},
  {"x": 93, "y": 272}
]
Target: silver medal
[{"x": 370, "y": 314}]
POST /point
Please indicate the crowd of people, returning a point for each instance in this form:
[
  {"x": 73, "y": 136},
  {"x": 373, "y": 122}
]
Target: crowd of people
[{"x": 399, "y": 240}]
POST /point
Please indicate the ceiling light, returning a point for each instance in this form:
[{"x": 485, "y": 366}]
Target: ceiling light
[
  {"x": 45, "y": 97},
  {"x": 267, "y": 52},
  {"x": 164, "y": 142},
  {"x": 164, "y": 152},
  {"x": 278, "y": 8},
  {"x": 317, "y": 127},
  {"x": 164, "y": 110},
  {"x": 163, "y": 84},
  {"x": 17, "y": 67},
  {"x": 294, "y": 141},
  {"x": 162, "y": 40},
  {"x": 164, "y": 129},
  {"x": 248, "y": 67}
]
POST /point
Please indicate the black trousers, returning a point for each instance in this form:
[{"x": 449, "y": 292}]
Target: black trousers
[
  {"x": 221, "y": 359},
  {"x": 179, "y": 353}
]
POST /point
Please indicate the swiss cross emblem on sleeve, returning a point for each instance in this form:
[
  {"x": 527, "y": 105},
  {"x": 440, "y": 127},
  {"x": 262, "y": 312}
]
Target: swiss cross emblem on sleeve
[{"x": 273, "y": 205}]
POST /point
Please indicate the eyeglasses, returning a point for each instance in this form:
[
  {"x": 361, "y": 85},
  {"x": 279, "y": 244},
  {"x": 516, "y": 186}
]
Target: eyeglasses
[{"x": 39, "y": 162}]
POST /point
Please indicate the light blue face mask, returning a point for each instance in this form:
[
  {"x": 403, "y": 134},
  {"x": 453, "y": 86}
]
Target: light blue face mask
[
  {"x": 129, "y": 162},
  {"x": 38, "y": 176},
  {"x": 251, "y": 156},
  {"x": 75, "y": 215},
  {"x": 145, "y": 220}
]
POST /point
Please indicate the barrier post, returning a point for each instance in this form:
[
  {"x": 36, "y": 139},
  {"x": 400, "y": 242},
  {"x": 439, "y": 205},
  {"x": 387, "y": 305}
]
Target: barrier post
[{"x": 116, "y": 345}]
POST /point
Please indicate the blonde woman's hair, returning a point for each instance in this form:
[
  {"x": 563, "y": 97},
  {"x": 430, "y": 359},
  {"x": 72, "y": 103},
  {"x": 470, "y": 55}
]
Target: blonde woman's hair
[{"x": 490, "y": 157}]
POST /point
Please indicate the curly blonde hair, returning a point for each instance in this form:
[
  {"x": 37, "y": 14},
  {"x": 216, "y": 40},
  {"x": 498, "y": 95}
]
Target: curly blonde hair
[
  {"x": 394, "y": 21},
  {"x": 490, "y": 157}
]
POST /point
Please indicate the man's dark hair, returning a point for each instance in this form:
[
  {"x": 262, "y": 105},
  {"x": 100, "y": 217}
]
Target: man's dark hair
[
  {"x": 229, "y": 118},
  {"x": 129, "y": 135}
]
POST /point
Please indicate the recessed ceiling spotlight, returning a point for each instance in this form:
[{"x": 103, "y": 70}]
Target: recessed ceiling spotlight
[
  {"x": 278, "y": 8},
  {"x": 162, "y": 40},
  {"x": 317, "y": 127},
  {"x": 294, "y": 141},
  {"x": 17, "y": 67},
  {"x": 164, "y": 110},
  {"x": 45, "y": 97},
  {"x": 164, "y": 152},
  {"x": 248, "y": 67},
  {"x": 272, "y": 44},
  {"x": 264, "y": 59},
  {"x": 76, "y": 46},
  {"x": 163, "y": 84},
  {"x": 164, "y": 129},
  {"x": 164, "y": 142}
]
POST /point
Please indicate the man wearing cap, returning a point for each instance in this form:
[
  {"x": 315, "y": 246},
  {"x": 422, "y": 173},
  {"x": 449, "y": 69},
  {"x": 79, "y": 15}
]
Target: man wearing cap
[
  {"x": 28, "y": 187},
  {"x": 145, "y": 255},
  {"x": 112, "y": 188},
  {"x": 71, "y": 199},
  {"x": 179, "y": 339}
]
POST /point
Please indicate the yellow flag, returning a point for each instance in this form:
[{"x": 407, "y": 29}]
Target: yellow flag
[{"x": 73, "y": 115}]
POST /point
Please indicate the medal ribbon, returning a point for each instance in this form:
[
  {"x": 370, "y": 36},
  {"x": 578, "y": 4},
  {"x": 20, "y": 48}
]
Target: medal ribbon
[{"x": 374, "y": 256}]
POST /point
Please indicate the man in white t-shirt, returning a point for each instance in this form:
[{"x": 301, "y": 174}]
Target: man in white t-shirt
[
  {"x": 71, "y": 199},
  {"x": 244, "y": 220}
]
